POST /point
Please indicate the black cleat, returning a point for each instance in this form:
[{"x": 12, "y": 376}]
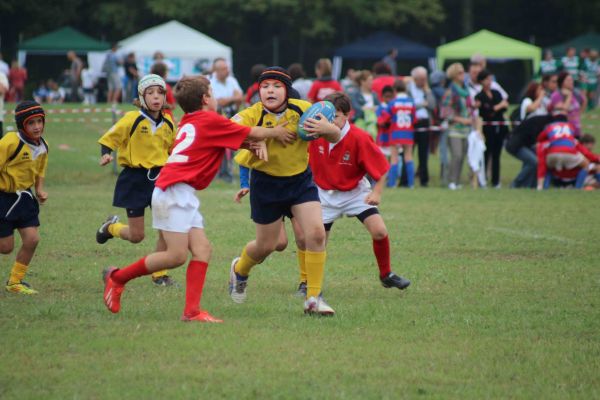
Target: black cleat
[
  {"x": 102, "y": 234},
  {"x": 393, "y": 280},
  {"x": 301, "y": 291},
  {"x": 164, "y": 280}
]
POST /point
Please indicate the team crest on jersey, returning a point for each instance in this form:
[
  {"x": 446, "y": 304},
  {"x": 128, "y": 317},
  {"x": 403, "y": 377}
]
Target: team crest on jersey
[
  {"x": 25, "y": 156},
  {"x": 346, "y": 158},
  {"x": 269, "y": 124},
  {"x": 321, "y": 149},
  {"x": 144, "y": 129},
  {"x": 237, "y": 118}
]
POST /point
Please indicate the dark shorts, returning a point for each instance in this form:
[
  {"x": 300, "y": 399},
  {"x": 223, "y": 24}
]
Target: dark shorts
[
  {"x": 133, "y": 190},
  {"x": 272, "y": 197},
  {"x": 18, "y": 211}
]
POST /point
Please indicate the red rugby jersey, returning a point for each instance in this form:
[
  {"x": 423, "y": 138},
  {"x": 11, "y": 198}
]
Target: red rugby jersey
[
  {"x": 342, "y": 168},
  {"x": 199, "y": 148},
  {"x": 323, "y": 88}
]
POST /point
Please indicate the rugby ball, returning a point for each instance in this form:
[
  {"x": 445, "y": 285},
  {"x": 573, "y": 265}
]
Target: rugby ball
[{"x": 321, "y": 107}]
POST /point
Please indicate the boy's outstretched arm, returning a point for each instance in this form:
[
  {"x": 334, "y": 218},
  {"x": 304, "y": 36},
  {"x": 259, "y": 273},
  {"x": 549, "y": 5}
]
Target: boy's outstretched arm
[
  {"x": 374, "y": 198},
  {"x": 278, "y": 133}
]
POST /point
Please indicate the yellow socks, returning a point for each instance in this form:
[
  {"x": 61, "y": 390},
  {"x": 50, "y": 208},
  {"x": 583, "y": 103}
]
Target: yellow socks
[
  {"x": 17, "y": 273},
  {"x": 158, "y": 274},
  {"x": 244, "y": 264},
  {"x": 116, "y": 228},
  {"x": 301, "y": 254},
  {"x": 315, "y": 269}
]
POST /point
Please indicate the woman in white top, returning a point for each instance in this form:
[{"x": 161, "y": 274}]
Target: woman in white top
[{"x": 535, "y": 102}]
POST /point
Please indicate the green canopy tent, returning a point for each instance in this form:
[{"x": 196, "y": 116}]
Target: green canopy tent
[
  {"x": 589, "y": 40},
  {"x": 60, "y": 42},
  {"x": 492, "y": 46}
]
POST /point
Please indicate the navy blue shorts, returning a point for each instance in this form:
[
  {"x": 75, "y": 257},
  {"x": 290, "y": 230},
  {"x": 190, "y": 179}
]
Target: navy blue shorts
[
  {"x": 272, "y": 197},
  {"x": 134, "y": 188},
  {"x": 18, "y": 211}
]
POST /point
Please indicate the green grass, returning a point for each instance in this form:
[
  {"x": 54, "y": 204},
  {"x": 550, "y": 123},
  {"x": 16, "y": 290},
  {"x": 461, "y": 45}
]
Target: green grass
[{"x": 504, "y": 301}]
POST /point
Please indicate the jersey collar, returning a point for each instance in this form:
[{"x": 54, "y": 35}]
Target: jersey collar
[{"x": 344, "y": 130}]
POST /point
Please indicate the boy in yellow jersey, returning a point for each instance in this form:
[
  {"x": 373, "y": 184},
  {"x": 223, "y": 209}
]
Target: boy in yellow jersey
[
  {"x": 282, "y": 186},
  {"x": 142, "y": 140},
  {"x": 23, "y": 161}
]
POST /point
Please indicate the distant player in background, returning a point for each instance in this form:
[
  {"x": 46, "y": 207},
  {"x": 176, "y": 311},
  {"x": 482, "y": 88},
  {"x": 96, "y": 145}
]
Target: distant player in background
[
  {"x": 161, "y": 69},
  {"x": 593, "y": 179},
  {"x": 199, "y": 148},
  {"x": 252, "y": 95},
  {"x": 142, "y": 140},
  {"x": 324, "y": 85},
  {"x": 402, "y": 112},
  {"x": 23, "y": 161},
  {"x": 340, "y": 171},
  {"x": 384, "y": 123}
]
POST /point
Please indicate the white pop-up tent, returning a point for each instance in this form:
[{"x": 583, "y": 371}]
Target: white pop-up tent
[{"x": 186, "y": 51}]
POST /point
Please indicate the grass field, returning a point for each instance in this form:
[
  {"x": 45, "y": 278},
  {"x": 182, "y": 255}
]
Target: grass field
[{"x": 504, "y": 302}]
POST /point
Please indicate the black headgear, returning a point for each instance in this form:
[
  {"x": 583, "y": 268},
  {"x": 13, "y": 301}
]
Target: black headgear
[
  {"x": 28, "y": 109},
  {"x": 278, "y": 74}
]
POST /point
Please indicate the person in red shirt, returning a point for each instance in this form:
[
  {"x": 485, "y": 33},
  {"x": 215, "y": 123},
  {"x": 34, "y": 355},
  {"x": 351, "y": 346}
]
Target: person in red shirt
[
  {"x": 382, "y": 77},
  {"x": 324, "y": 85},
  {"x": 339, "y": 171},
  {"x": 198, "y": 150},
  {"x": 17, "y": 76}
]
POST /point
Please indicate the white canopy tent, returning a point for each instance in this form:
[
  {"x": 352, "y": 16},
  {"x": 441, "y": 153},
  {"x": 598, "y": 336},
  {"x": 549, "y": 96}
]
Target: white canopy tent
[{"x": 186, "y": 51}]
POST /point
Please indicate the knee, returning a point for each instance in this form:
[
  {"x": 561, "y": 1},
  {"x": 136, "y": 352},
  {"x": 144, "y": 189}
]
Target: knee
[
  {"x": 301, "y": 243},
  {"x": 202, "y": 252},
  {"x": 6, "y": 248},
  {"x": 281, "y": 245},
  {"x": 31, "y": 242},
  {"x": 179, "y": 258},
  {"x": 136, "y": 237},
  {"x": 379, "y": 234},
  {"x": 317, "y": 236}
]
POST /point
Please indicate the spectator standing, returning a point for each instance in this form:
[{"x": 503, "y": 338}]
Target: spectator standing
[
  {"x": 88, "y": 83},
  {"x": 549, "y": 65},
  {"x": 74, "y": 75},
  {"x": 390, "y": 61},
  {"x": 349, "y": 81},
  {"x": 491, "y": 109},
  {"x": 132, "y": 77},
  {"x": 424, "y": 100},
  {"x": 382, "y": 77},
  {"x": 570, "y": 63},
  {"x": 229, "y": 96},
  {"x": 299, "y": 81},
  {"x": 111, "y": 69},
  {"x": 325, "y": 84},
  {"x": 4, "y": 86},
  {"x": 457, "y": 111},
  {"x": 437, "y": 80},
  {"x": 568, "y": 101},
  {"x": 590, "y": 71},
  {"x": 4, "y": 68},
  {"x": 364, "y": 98},
  {"x": 17, "y": 76},
  {"x": 534, "y": 103},
  {"x": 252, "y": 94}
]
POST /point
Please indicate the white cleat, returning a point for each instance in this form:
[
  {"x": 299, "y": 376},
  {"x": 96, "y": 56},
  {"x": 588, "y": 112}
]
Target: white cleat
[
  {"x": 317, "y": 306},
  {"x": 237, "y": 286}
]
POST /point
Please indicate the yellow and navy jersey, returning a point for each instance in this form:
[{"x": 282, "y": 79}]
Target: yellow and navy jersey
[
  {"x": 283, "y": 161},
  {"x": 139, "y": 141},
  {"x": 21, "y": 162}
]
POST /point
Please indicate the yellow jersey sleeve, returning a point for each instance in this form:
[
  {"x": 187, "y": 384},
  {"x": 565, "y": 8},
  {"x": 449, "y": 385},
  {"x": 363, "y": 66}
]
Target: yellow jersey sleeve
[{"x": 119, "y": 132}]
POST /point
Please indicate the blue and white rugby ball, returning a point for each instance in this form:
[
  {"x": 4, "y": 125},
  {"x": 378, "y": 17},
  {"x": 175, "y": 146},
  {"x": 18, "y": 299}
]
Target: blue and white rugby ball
[{"x": 321, "y": 107}]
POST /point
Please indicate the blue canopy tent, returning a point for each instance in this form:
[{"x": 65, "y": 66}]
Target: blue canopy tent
[{"x": 376, "y": 46}]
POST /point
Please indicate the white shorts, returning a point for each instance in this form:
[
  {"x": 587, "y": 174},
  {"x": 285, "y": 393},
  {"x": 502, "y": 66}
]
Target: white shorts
[
  {"x": 336, "y": 204},
  {"x": 176, "y": 209},
  {"x": 560, "y": 161}
]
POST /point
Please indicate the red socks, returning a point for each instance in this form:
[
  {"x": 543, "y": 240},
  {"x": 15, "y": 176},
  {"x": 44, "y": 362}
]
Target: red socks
[
  {"x": 135, "y": 270},
  {"x": 381, "y": 248},
  {"x": 194, "y": 283}
]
